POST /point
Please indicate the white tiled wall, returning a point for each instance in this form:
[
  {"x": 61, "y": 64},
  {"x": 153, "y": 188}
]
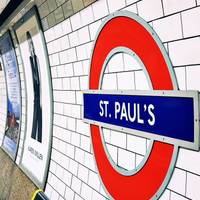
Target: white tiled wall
[{"x": 72, "y": 171}]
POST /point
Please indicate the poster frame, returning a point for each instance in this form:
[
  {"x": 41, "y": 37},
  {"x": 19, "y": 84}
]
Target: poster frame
[
  {"x": 13, "y": 157},
  {"x": 6, "y": 97},
  {"x": 34, "y": 12}
]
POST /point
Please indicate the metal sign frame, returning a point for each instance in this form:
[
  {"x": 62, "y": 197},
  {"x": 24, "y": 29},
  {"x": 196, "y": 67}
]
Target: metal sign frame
[
  {"x": 13, "y": 157},
  {"x": 167, "y": 93}
]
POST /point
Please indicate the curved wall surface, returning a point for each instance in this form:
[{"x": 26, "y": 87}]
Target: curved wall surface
[
  {"x": 70, "y": 29},
  {"x": 3, "y": 104}
]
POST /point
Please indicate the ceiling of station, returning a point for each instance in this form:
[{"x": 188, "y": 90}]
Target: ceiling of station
[{"x": 3, "y": 4}]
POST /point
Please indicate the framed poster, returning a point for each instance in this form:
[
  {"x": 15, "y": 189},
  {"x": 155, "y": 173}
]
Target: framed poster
[
  {"x": 37, "y": 145},
  {"x": 9, "y": 61}
]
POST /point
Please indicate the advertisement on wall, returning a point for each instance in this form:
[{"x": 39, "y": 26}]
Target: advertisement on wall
[
  {"x": 9, "y": 60},
  {"x": 35, "y": 156}
]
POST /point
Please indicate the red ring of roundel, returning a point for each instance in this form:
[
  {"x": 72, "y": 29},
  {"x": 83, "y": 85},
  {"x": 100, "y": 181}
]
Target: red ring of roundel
[{"x": 123, "y": 31}]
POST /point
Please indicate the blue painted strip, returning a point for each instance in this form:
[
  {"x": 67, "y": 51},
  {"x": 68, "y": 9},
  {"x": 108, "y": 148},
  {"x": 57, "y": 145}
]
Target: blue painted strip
[{"x": 161, "y": 115}]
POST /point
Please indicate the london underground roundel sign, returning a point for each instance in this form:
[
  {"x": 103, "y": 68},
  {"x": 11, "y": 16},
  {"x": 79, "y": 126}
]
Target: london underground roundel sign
[{"x": 126, "y": 32}]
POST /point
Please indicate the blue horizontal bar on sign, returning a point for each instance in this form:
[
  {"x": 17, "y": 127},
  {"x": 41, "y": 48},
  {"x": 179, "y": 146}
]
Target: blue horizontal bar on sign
[{"x": 165, "y": 116}]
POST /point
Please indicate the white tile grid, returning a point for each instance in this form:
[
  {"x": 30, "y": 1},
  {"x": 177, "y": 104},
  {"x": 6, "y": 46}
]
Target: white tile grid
[
  {"x": 82, "y": 160},
  {"x": 165, "y": 195},
  {"x": 177, "y": 182},
  {"x": 58, "y": 85},
  {"x": 169, "y": 28},
  {"x": 183, "y": 53},
  {"x": 65, "y": 176},
  {"x": 150, "y": 10},
  {"x": 187, "y": 51},
  {"x": 175, "y": 196},
  {"x": 174, "y": 6}
]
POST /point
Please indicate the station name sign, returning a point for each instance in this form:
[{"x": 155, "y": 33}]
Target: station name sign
[{"x": 168, "y": 116}]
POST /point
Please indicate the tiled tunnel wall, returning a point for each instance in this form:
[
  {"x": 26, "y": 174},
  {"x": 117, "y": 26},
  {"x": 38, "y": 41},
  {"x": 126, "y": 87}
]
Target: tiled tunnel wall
[
  {"x": 54, "y": 11},
  {"x": 72, "y": 170},
  {"x": 70, "y": 30}
]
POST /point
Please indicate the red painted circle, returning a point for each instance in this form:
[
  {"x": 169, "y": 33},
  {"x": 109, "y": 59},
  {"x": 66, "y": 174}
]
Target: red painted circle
[{"x": 123, "y": 31}]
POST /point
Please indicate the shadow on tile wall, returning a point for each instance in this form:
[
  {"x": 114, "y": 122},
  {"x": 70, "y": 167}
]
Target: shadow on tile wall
[{"x": 53, "y": 12}]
